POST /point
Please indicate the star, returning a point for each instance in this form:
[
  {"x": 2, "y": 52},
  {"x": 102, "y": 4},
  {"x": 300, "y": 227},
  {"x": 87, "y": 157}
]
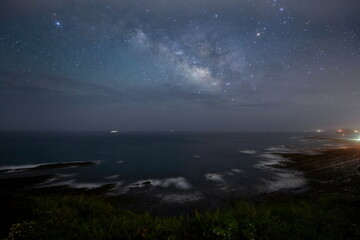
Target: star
[
  {"x": 58, "y": 24},
  {"x": 144, "y": 49}
]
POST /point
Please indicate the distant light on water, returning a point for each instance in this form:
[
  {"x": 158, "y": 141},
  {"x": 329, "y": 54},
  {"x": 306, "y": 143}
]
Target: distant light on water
[
  {"x": 357, "y": 139},
  {"x": 114, "y": 131}
]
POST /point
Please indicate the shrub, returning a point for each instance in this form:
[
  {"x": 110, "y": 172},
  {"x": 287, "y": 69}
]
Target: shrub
[{"x": 89, "y": 217}]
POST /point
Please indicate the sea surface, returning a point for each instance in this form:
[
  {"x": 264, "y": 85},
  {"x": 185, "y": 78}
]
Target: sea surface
[{"x": 172, "y": 168}]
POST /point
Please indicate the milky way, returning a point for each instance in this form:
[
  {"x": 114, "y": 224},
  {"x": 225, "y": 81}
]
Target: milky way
[{"x": 183, "y": 65}]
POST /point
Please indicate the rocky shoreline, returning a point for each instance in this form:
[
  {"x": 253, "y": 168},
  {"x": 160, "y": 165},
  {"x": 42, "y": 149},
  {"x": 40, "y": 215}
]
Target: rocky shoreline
[{"x": 329, "y": 170}]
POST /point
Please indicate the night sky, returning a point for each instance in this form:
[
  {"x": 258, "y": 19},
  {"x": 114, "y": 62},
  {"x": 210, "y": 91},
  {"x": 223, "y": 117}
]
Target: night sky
[{"x": 186, "y": 65}]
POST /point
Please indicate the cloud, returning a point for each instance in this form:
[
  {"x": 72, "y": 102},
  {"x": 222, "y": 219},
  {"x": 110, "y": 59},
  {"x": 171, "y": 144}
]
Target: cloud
[
  {"x": 45, "y": 89},
  {"x": 22, "y": 81},
  {"x": 21, "y": 87}
]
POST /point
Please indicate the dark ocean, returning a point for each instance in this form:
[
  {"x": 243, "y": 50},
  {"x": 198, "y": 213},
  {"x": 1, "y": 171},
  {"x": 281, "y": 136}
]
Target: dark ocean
[{"x": 173, "y": 168}]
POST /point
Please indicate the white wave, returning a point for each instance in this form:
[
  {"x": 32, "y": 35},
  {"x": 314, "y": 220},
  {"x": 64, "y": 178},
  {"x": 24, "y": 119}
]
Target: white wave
[
  {"x": 236, "y": 170},
  {"x": 113, "y": 176},
  {"x": 117, "y": 189},
  {"x": 229, "y": 173},
  {"x": 56, "y": 177},
  {"x": 75, "y": 184},
  {"x": 250, "y": 152},
  {"x": 66, "y": 175},
  {"x": 233, "y": 172},
  {"x": 21, "y": 167},
  {"x": 285, "y": 180},
  {"x": 86, "y": 185},
  {"x": 178, "y": 182},
  {"x": 57, "y": 184},
  {"x": 270, "y": 159},
  {"x": 215, "y": 177},
  {"x": 30, "y": 166},
  {"x": 282, "y": 179},
  {"x": 282, "y": 149}
]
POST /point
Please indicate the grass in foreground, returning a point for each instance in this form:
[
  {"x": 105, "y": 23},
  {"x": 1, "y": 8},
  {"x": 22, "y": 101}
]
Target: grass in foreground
[{"x": 88, "y": 217}]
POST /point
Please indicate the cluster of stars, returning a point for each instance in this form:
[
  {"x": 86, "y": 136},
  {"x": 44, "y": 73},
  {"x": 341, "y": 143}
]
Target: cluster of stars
[{"x": 227, "y": 57}]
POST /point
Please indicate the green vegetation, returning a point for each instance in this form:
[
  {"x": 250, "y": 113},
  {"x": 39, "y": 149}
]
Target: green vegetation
[{"x": 90, "y": 217}]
